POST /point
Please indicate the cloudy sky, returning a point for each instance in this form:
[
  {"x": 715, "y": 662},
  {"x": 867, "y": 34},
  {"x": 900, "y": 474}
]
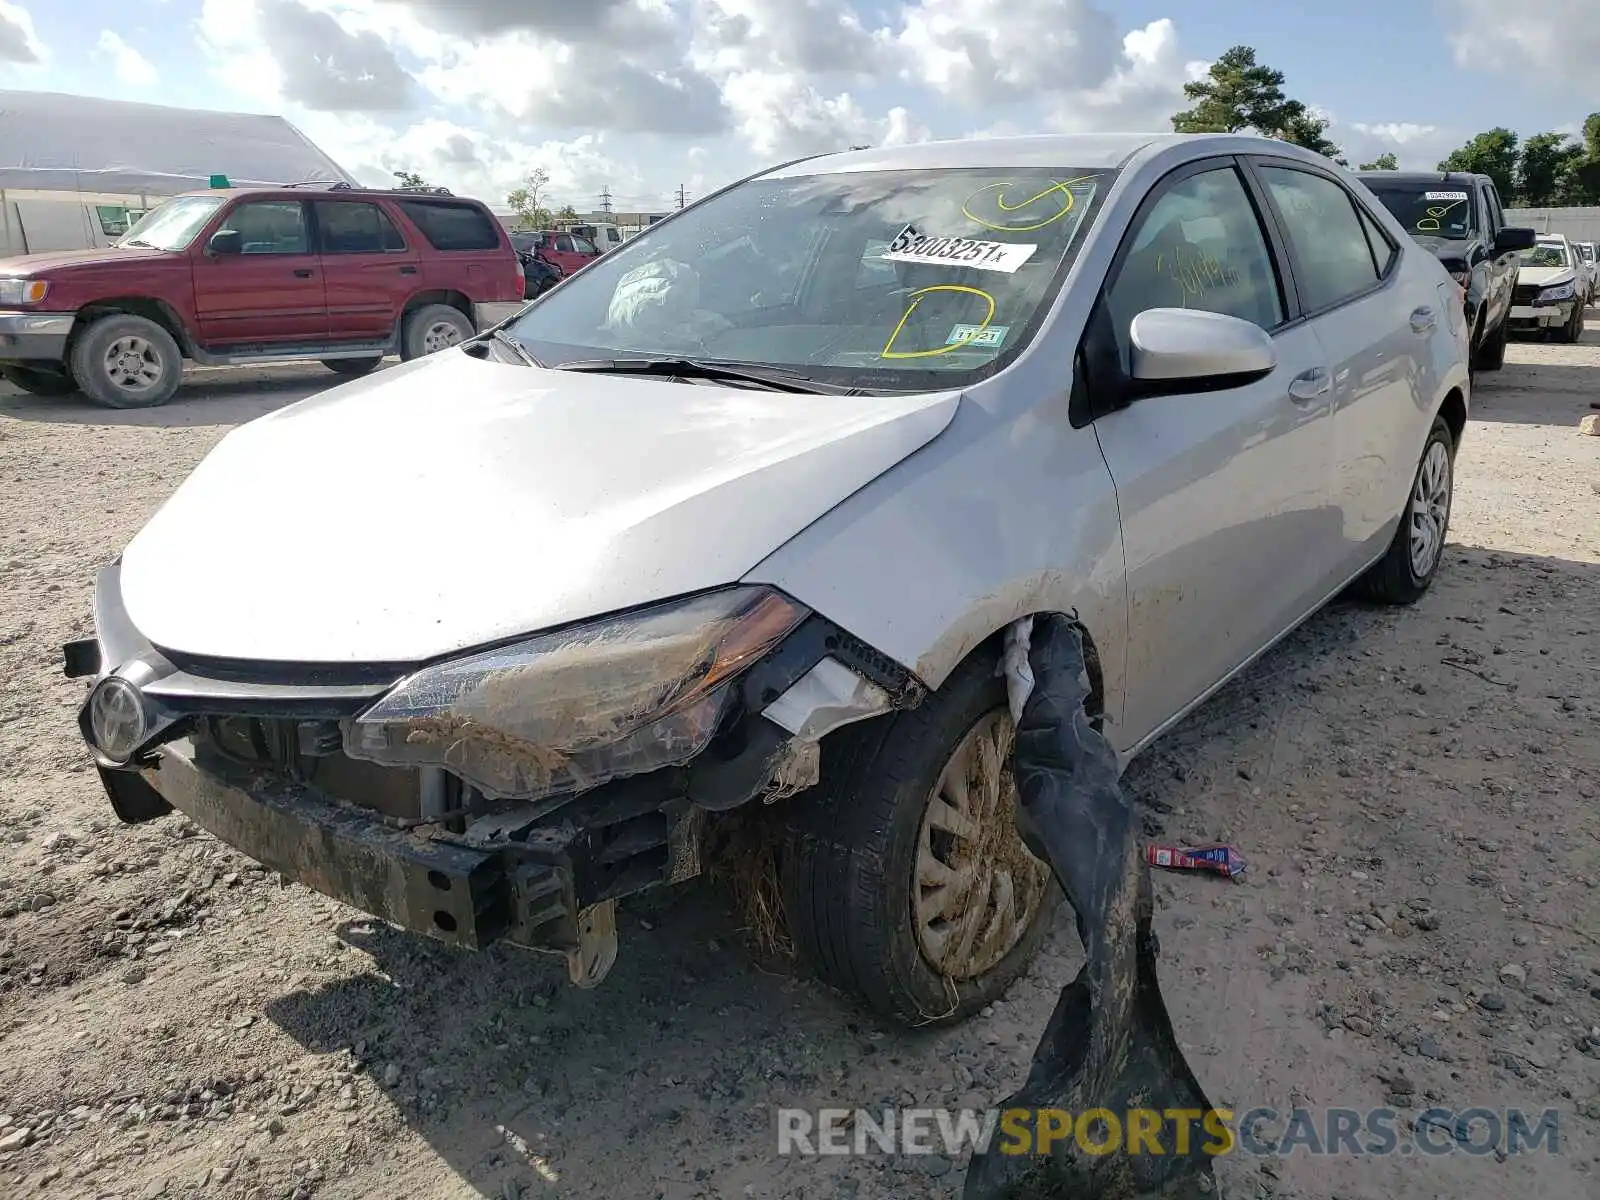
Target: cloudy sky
[{"x": 642, "y": 96}]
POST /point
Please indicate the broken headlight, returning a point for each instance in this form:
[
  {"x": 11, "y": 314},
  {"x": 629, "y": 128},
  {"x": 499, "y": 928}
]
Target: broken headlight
[{"x": 571, "y": 709}]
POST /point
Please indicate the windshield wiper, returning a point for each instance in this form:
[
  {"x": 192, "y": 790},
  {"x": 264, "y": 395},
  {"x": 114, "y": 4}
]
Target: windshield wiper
[
  {"x": 516, "y": 347},
  {"x": 140, "y": 243},
  {"x": 778, "y": 379}
]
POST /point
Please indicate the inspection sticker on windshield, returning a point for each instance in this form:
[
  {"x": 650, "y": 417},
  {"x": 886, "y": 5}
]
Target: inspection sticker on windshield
[
  {"x": 988, "y": 336},
  {"x": 1444, "y": 196},
  {"x": 909, "y": 246}
]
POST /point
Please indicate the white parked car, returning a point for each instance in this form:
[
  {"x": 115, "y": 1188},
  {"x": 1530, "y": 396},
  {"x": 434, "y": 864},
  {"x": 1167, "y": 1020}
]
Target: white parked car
[
  {"x": 1588, "y": 252},
  {"x": 1552, "y": 289},
  {"x": 559, "y": 601}
]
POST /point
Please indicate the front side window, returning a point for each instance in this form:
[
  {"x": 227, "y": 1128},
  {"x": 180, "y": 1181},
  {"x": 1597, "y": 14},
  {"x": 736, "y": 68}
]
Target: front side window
[
  {"x": 1545, "y": 254},
  {"x": 564, "y": 244},
  {"x": 893, "y": 280},
  {"x": 173, "y": 225},
  {"x": 1199, "y": 246},
  {"x": 1427, "y": 209},
  {"x": 271, "y": 227},
  {"x": 1333, "y": 261},
  {"x": 349, "y": 227}
]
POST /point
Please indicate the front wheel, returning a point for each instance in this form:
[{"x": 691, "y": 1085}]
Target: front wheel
[
  {"x": 905, "y": 881},
  {"x": 126, "y": 361},
  {"x": 432, "y": 328},
  {"x": 1573, "y": 330},
  {"x": 1407, "y": 568},
  {"x": 1491, "y": 356},
  {"x": 39, "y": 382},
  {"x": 353, "y": 367}
]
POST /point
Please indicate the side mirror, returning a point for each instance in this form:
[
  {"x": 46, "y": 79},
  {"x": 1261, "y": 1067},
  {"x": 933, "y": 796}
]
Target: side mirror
[
  {"x": 1513, "y": 237},
  {"x": 1185, "y": 349},
  {"x": 226, "y": 241}
]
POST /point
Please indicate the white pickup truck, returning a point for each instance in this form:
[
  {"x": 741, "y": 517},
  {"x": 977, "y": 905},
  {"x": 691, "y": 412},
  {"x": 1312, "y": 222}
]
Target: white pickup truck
[{"x": 1553, "y": 288}]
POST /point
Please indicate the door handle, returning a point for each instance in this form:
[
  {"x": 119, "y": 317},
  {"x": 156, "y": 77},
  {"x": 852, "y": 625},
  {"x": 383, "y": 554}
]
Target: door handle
[
  {"x": 1308, "y": 385},
  {"x": 408, "y": 270},
  {"x": 1423, "y": 320},
  {"x": 302, "y": 272}
]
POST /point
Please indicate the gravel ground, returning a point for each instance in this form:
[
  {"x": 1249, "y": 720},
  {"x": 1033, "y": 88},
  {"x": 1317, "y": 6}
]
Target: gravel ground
[{"x": 1416, "y": 792}]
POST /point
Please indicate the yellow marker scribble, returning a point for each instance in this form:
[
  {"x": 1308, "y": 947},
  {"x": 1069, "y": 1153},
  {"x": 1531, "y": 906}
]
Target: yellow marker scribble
[
  {"x": 1430, "y": 223},
  {"x": 889, "y": 351},
  {"x": 1197, "y": 272},
  {"x": 1067, "y": 203}
]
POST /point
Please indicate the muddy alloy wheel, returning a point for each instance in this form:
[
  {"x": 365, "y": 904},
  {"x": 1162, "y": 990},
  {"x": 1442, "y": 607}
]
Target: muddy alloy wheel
[
  {"x": 977, "y": 887},
  {"x": 434, "y": 328},
  {"x": 904, "y": 881}
]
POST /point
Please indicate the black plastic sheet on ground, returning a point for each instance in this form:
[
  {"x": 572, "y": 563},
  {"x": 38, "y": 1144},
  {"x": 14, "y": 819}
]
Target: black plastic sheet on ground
[{"x": 1109, "y": 1045}]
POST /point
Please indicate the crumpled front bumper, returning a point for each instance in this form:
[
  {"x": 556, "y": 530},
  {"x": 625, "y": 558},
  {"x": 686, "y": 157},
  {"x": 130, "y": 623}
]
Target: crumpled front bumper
[{"x": 1542, "y": 316}]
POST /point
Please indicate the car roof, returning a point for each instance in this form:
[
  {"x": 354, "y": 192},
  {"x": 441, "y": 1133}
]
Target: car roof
[
  {"x": 1422, "y": 176},
  {"x": 1087, "y": 150},
  {"x": 316, "y": 190}
]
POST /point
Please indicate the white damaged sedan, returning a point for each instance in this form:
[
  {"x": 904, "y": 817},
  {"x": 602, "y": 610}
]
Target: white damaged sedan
[{"x": 732, "y": 523}]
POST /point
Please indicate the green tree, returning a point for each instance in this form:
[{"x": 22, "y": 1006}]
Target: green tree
[
  {"x": 527, "y": 201},
  {"x": 411, "y": 179},
  {"x": 1580, "y": 179},
  {"x": 567, "y": 214},
  {"x": 1240, "y": 94},
  {"x": 1542, "y": 170},
  {"x": 1384, "y": 162},
  {"x": 1493, "y": 154}
]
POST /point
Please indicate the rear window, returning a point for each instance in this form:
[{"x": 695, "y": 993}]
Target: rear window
[{"x": 452, "y": 226}]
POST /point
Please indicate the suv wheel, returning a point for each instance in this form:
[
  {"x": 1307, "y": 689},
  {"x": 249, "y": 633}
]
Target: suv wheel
[
  {"x": 1403, "y": 574},
  {"x": 40, "y": 382},
  {"x": 352, "y": 366},
  {"x": 1574, "y": 328},
  {"x": 432, "y": 328},
  {"x": 905, "y": 880},
  {"x": 1491, "y": 355},
  {"x": 124, "y": 361}
]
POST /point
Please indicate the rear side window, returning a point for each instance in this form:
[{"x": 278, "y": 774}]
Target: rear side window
[
  {"x": 1383, "y": 250},
  {"x": 1332, "y": 258},
  {"x": 348, "y": 227},
  {"x": 452, "y": 226}
]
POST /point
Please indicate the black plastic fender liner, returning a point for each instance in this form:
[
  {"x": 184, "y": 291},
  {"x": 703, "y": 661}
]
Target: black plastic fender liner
[{"x": 1109, "y": 1044}]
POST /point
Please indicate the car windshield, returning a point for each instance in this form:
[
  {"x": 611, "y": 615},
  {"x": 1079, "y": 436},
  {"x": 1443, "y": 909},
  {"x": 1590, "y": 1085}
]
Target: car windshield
[
  {"x": 1545, "y": 254},
  {"x": 174, "y": 225},
  {"x": 882, "y": 280},
  {"x": 1433, "y": 211}
]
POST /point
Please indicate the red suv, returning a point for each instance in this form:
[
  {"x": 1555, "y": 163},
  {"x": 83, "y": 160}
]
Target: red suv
[{"x": 232, "y": 276}]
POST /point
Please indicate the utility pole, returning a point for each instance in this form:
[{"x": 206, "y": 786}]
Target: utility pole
[
  {"x": 682, "y": 196},
  {"x": 605, "y": 200}
]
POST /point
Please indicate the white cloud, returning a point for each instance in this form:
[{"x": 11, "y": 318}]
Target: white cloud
[
  {"x": 19, "y": 41},
  {"x": 130, "y": 66},
  {"x": 1143, "y": 90},
  {"x": 1554, "y": 44}
]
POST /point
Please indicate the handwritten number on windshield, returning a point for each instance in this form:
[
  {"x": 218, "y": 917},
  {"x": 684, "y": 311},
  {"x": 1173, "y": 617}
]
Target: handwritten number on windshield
[{"x": 916, "y": 298}]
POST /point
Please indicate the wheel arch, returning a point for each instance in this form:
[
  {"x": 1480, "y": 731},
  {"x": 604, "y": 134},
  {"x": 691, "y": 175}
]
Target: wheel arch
[
  {"x": 1454, "y": 411},
  {"x": 449, "y": 297},
  {"x": 151, "y": 309}
]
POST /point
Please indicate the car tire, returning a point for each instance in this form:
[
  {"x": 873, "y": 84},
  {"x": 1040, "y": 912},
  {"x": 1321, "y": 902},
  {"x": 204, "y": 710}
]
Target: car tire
[
  {"x": 353, "y": 367},
  {"x": 1491, "y": 355},
  {"x": 39, "y": 382},
  {"x": 1574, "y": 330},
  {"x": 127, "y": 361},
  {"x": 432, "y": 328},
  {"x": 856, "y": 851},
  {"x": 1407, "y": 568}
]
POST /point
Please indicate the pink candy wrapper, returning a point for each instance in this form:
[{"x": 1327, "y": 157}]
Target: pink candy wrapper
[{"x": 1220, "y": 860}]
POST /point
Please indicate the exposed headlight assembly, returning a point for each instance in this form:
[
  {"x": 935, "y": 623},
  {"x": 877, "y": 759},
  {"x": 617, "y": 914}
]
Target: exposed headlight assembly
[
  {"x": 23, "y": 291},
  {"x": 572, "y": 709},
  {"x": 1556, "y": 295}
]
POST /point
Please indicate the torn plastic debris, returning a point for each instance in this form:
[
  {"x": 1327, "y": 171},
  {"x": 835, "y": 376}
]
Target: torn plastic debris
[
  {"x": 1218, "y": 859},
  {"x": 1109, "y": 1044}
]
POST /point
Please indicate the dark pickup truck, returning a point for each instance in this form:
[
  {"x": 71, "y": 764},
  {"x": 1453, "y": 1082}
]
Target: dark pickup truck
[{"x": 1460, "y": 218}]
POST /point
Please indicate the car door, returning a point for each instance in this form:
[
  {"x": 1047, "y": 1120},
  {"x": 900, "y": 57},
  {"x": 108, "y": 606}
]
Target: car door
[
  {"x": 1502, "y": 267},
  {"x": 1377, "y": 335},
  {"x": 1223, "y": 494},
  {"x": 269, "y": 294},
  {"x": 367, "y": 268}
]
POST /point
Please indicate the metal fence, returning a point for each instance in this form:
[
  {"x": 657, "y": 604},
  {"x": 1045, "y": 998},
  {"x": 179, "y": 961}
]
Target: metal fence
[{"x": 1579, "y": 224}]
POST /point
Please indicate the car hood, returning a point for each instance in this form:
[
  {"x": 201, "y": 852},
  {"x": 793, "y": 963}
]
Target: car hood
[
  {"x": 453, "y": 502},
  {"x": 55, "y": 260},
  {"x": 1545, "y": 276}
]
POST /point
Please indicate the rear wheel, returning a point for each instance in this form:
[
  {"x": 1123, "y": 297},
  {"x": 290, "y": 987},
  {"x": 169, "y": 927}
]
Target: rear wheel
[
  {"x": 39, "y": 381},
  {"x": 352, "y": 366},
  {"x": 432, "y": 328},
  {"x": 1574, "y": 328},
  {"x": 126, "y": 361},
  {"x": 905, "y": 880},
  {"x": 1406, "y": 570}
]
